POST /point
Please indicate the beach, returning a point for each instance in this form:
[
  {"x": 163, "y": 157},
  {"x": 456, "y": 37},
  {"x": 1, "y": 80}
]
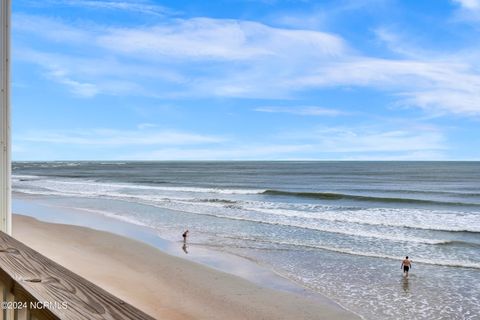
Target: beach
[
  {"x": 162, "y": 285},
  {"x": 316, "y": 229}
]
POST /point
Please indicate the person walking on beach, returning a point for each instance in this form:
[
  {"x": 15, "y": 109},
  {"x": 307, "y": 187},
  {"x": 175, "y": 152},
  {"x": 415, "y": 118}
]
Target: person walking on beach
[
  {"x": 185, "y": 235},
  {"x": 406, "y": 265}
]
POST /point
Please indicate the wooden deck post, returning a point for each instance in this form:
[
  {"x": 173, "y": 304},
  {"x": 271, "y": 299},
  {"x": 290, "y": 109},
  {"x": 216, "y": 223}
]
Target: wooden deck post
[{"x": 5, "y": 140}]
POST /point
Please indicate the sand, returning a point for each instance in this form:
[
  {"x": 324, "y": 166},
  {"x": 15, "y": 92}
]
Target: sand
[{"x": 164, "y": 286}]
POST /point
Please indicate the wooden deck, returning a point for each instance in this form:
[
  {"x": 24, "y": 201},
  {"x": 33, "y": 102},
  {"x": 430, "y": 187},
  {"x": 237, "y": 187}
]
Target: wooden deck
[{"x": 35, "y": 287}]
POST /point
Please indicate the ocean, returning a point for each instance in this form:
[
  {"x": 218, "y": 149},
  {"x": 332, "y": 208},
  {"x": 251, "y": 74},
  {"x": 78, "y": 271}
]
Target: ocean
[{"x": 337, "y": 228}]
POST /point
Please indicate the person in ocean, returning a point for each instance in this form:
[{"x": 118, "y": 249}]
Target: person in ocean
[
  {"x": 406, "y": 265},
  {"x": 185, "y": 235}
]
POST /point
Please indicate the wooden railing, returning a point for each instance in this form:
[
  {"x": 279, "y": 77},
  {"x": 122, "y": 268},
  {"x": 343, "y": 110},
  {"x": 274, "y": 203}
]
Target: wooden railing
[{"x": 34, "y": 287}]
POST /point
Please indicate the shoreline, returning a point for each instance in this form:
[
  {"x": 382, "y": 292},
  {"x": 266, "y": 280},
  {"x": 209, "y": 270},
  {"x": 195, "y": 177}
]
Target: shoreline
[
  {"x": 221, "y": 260},
  {"x": 163, "y": 285}
]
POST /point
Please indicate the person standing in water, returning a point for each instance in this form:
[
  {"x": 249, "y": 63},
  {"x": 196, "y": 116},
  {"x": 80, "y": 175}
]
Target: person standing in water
[{"x": 406, "y": 265}]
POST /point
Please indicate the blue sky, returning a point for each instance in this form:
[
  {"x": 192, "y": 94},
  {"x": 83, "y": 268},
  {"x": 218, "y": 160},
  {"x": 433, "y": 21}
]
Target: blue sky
[{"x": 246, "y": 80}]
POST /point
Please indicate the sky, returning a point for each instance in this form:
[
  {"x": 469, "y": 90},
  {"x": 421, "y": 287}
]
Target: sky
[{"x": 246, "y": 80}]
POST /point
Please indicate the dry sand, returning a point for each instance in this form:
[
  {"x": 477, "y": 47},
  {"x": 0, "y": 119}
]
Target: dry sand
[{"x": 162, "y": 285}]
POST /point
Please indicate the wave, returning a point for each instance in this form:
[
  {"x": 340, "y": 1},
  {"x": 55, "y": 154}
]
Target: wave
[
  {"x": 329, "y": 196},
  {"x": 462, "y": 243},
  {"x": 354, "y": 233},
  {"x": 444, "y": 263},
  {"x": 113, "y": 163},
  {"x": 54, "y": 164},
  {"x": 343, "y": 196},
  {"x": 109, "y": 214},
  {"x": 399, "y": 218},
  {"x": 60, "y": 185},
  {"x": 148, "y": 181},
  {"x": 223, "y": 201},
  {"x": 168, "y": 197},
  {"x": 24, "y": 177},
  {"x": 305, "y": 225},
  {"x": 309, "y": 226},
  {"x": 387, "y": 217},
  {"x": 422, "y": 192}
]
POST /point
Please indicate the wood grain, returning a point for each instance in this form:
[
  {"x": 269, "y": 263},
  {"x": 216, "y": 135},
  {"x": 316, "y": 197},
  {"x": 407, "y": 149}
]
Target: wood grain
[{"x": 32, "y": 278}]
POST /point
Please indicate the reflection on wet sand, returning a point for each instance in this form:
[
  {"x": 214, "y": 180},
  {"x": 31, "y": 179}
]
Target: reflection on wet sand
[{"x": 405, "y": 285}]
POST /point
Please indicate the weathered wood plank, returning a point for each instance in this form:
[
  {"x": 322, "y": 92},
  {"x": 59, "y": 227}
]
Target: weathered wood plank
[
  {"x": 9, "y": 298},
  {"x": 21, "y": 314},
  {"x": 64, "y": 294}
]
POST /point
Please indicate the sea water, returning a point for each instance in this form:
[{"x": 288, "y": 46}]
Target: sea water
[{"x": 337, "y": 228}]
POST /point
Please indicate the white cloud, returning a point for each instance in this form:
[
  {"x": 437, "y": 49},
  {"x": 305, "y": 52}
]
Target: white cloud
[
  {"x": 374, "y": 143},
  {"x": 400, "y": 43},
  {"x": 469, "y": 10},
  {"x": 204, "y": 57},
  {"x": 116, "y": 138},
  {"x": 374, "y": 140},
  {"x": 81, "y": 89},
  {"x": 407, "y": 156},
  {"x": 360, "y": 143},
  {"x": 237, "y": 152},
  {"x": 49, "y": 28},
  {"x": 169, "y": 52},
  {"x": 439, "y": 86},
  {"x": 469, "y": 4},
  {"x": 138, "y": 6},
  {"x": 87, "y": 77},
  {"x": 388, "y": 138},
  {"x": 205, "y": 38},
  {"x": 302, "y": 110}
]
